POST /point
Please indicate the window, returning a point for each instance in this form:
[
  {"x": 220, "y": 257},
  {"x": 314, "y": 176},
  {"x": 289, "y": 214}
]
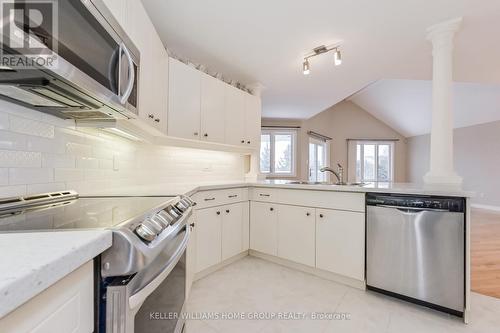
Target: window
[
  {"x": 374, "y": 161},
  {"x": 318, "y": 158},
  {"x": 278, "y": 152}
]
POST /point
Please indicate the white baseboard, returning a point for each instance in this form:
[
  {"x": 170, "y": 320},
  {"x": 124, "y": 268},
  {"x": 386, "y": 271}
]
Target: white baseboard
[
  {"x": 486, "y": 207},
  {"x": 220, "y": 265},
  {"x": 311, "y": 270}
]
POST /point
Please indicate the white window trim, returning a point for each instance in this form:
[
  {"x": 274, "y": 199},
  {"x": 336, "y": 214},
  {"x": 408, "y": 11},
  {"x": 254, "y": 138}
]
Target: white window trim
[
  {"x": 314, "y": 140},
  {"x": 272, "y": 133},
  {"x": 391, "y": 159}
]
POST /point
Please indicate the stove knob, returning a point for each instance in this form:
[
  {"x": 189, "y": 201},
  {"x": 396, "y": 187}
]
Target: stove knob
[
  {"x": 154, "y": 225},
  {"x": 165, "y": 217},
  {"x": 188, "y": 203},
  {"x": 171, "y": 210},
  {"x": 180, "y": 206},
  {"x": 160, "y": 218},
  {"x": 145, "y": 233}
]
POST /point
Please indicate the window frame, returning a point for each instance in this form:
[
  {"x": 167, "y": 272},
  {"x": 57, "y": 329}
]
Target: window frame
[
  {"x": 391, "y": 145},
  {"x": 272, "y": 133},
  {"x": 326, "y": 145}
]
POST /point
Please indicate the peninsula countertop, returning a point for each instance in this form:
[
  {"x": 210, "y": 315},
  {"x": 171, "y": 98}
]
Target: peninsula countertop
[{"x": 33, "y": 261}]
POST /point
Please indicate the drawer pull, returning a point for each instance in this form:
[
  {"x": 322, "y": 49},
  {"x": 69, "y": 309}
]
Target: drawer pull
[
  {"x": 227, "y": 211},
  {"x": 264, "y": 195},
  {"x": 209, "y": 199},
  {"x": 321, "y": 215},
  {"x": 271, "y": 209},
  {"x": 218, "y": 213},
  {"x": 308, "y": 214},
  {"x": 233, "y": 196}
]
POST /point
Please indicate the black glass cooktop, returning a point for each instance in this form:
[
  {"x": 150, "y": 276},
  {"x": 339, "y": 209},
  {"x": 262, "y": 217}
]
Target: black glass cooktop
[{"x": 81, "y": 213}]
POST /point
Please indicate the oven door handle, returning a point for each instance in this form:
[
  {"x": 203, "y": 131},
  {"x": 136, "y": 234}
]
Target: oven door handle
[{"x": 138, "y": 298}]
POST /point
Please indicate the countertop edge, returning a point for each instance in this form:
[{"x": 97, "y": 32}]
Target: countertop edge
[{"x": 21, "y": 289}]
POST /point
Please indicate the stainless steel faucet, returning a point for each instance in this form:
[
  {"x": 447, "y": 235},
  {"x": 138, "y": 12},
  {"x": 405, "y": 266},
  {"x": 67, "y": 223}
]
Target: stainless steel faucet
[{"x": 339, "y": 173}]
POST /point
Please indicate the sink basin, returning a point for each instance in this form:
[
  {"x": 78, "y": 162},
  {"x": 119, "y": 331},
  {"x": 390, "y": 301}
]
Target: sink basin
[{"x": 325, "y": 183}]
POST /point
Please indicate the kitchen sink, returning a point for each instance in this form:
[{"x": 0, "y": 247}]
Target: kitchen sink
[{"x": 325, "y": 183}]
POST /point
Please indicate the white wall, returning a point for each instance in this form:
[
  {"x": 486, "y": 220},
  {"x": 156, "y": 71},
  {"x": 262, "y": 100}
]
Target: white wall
[
  {"x": 476, "y": 158},
  {"x": 40, "y": 153},
  {"x": 343, "y": 121}
]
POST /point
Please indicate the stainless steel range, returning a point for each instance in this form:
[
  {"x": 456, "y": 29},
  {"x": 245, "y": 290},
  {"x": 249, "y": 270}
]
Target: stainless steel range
[{"x": 143, "y": 273}]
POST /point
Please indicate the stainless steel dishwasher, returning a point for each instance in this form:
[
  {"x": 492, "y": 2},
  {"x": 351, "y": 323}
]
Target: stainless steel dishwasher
[{"x": 415, "y": 249}]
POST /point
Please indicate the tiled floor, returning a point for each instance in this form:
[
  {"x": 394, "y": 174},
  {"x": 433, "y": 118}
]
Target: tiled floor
[{"x": 253, "y": 285}]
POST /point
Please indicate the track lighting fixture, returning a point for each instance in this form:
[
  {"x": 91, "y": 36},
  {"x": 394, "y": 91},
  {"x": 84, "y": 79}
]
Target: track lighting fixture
[
  {"x": 305, "y": 67},
  {"x": 337, "y": 57}
]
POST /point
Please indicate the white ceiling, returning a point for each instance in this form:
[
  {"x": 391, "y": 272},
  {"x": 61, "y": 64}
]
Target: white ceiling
[
  {"x": 264, "y": 41},
  {"x": 406, "y": 105}
]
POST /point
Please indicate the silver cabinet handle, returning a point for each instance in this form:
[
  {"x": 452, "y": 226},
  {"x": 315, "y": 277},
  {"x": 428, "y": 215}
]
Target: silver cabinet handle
[
  {"x": 131, "y": 75},
  {"x": 264, "y": 195},
  {"x": 233, "y": 196},
  {"x": 209, "y": 199}
]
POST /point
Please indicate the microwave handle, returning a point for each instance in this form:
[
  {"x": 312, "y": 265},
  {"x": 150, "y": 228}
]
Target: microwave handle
[
  {"x": 138, "y": 298},
  {"x": 130, "y": 84}
]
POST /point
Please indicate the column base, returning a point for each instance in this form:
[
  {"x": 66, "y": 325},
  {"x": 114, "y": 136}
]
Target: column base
[{"x": 433, "y": 178}]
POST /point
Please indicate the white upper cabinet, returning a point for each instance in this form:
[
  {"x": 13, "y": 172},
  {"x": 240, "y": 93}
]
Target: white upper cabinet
[
  {"x": 212, "y": 109},
  {"x": 235, "y": 116},
  {"x": 153, "y": 71},
  {"x": 184, "y": 102},
  {"x": 252, "y": 120}
]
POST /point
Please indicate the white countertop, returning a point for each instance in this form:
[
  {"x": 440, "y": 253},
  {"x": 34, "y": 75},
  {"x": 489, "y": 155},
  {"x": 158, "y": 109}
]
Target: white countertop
[
  {"x": 190, "y": 188},
  {"x": 31, "y": 262}
]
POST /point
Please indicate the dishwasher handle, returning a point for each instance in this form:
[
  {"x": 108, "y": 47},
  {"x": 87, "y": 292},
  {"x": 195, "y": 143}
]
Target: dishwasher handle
[{"x": 414, "y": 209}]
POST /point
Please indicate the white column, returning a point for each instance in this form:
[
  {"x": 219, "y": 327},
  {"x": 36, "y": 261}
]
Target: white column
[{"x": 441, "y": 158}]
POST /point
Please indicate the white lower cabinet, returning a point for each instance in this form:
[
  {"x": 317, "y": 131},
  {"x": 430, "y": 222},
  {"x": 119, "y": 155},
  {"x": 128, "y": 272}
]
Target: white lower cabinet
[
  {"x": 297, "y": 234},
  {"x": 221, "y": 233},
  {"x": 264, "y": 227},
  {"x": 208, "y": 237},
  {"x": 232, "y": 230},
  {"x": 65, "y": 307},
  {"x": 340, "y": 242}
]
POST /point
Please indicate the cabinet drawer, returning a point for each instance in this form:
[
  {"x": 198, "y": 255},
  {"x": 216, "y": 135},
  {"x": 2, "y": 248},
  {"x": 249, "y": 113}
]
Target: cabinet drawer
[
  {"x": 264, "y": 194},
  {"x": 206, "y": 199},
  {"x": 324, "y": 199}
]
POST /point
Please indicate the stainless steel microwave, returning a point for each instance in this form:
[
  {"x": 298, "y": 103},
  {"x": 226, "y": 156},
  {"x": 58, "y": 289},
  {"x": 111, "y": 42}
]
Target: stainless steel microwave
[{"x": 96, "y": 75}]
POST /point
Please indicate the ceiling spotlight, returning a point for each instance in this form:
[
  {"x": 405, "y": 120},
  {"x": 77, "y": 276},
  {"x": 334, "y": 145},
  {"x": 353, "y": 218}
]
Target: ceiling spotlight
[
  {"x": 305, "y": 67},
  {"x": 337, "y": 57}
]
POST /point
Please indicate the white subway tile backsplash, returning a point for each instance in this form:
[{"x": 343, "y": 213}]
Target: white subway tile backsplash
[
  {"x": 19, "y": 176},
  {"x": 78, "y": 149},
  {"x": 65, "y": 175},
  {"x": 12, "y": 141},
  {"x": 50, "y": 160},
  {"x": 31, "y": 127},
  {"x": 12, "y": 191},
  {"x": 4, "y": 176},
  {"x": 20, "y": 159},
  {"x": 40, "y": 153},
  {"x": 87, "y": 163},
  {"x": 44, "y": 188}
]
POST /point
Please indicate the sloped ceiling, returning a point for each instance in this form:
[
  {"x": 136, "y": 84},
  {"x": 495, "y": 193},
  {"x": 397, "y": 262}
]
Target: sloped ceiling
[
  {"x": 406, "y": 105},
  {"x": 264, "y": 41}
]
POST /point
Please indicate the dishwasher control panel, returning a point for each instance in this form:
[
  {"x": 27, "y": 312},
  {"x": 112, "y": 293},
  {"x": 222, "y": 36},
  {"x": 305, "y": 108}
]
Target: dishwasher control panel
[{"x": 454, "y": 204}]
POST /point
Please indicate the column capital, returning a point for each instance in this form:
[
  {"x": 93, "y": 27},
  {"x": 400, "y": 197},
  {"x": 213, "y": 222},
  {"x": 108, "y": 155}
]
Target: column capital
[{"x": 446, "y": 28}]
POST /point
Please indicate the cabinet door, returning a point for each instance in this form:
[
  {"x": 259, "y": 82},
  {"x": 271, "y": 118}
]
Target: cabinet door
[
  {"x": 340, "y": 242},
  {"x": 264, "y": 228},
  {"x": 208, "y": 237},
  {"x": 212, "y": 109},
  {"x": 117, "y": 8},
  {"x": 159, "y": 85},
  {"x": 232, "y": 230},
  {"x": 297, "y": 234},
  {"x": 183, "y": 101},
  {"x": 252, "y": 120},
  {"x": 235, "y": 116}
]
